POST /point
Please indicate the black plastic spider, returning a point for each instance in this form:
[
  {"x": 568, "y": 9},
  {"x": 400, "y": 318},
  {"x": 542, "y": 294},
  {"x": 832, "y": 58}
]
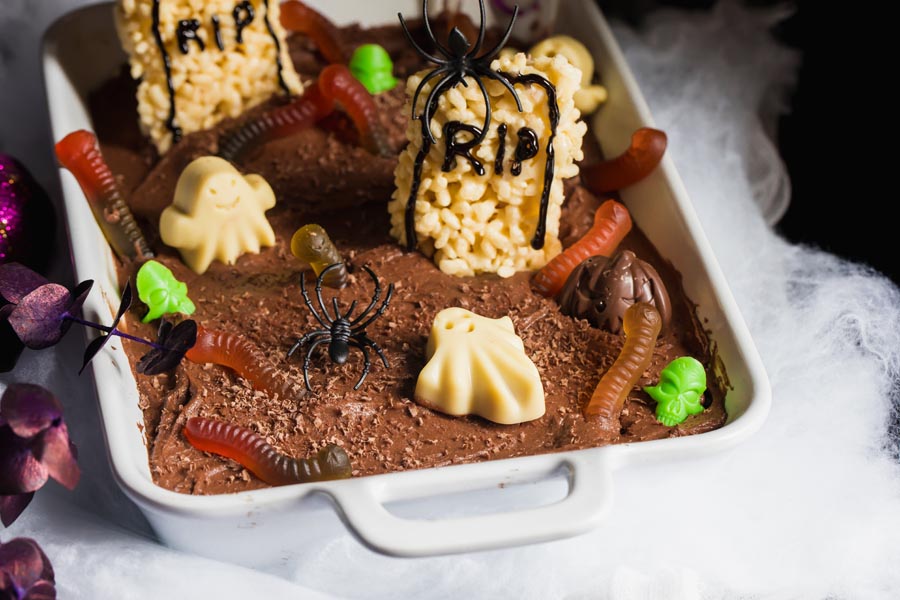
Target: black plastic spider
[
  {"x": 340, "y": 333},
  {"x": 460, "y": 62}
]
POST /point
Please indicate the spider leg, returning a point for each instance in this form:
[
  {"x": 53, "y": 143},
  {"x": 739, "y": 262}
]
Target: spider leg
[
  {"x": 367, "y": 364},
  {"x": 321, "y": 301},
  {"x": 309, "y": 303},
  {"x": 487, "y": 110},
  {"x": 497, "y": 77},
  {"x": 306, "y": 338},
  {"x": 337, "y": 311},
  {"x": 481, "y": 30},
  {"x": 306, "y": 360},
  {"x": 426, "y": 79},
  {"x": 352, "y": 308},
  {"x": 431, "y": 103},
  {"x": 417, "y": 47},
  {"x": 378, "y": 313},
  {"x": 375, "y": 297},
  {"x": 496, "y": 49},
  {"x": 428, "y": 30},
  {"x": 369, "y": 342}
]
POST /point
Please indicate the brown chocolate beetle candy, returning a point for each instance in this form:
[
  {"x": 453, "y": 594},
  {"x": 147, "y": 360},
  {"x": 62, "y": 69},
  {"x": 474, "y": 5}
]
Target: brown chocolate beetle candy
[{"x": 601, "y": 289}]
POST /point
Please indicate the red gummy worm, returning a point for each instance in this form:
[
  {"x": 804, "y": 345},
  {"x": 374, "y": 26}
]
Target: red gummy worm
[
  {"x": 79, "y": 152},
  {"x": 256, "y": 455},
  {"x": 300, "y": 114},
  {"x": 641, "y": 324},
  {"x": 296, "y": 16},
  {"x": 338, "y": 83},
  {"x": 240, "y": 354},
  {"x": 611, "y": 224},
  {"x": 646, "y": 150}
]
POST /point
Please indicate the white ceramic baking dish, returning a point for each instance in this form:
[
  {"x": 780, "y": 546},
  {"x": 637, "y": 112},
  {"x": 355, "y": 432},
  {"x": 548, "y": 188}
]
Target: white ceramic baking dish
[{"x": 558, "y": 495}]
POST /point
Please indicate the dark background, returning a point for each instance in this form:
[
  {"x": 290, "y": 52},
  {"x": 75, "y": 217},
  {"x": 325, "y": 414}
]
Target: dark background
[{"x": 836, "y": 139}]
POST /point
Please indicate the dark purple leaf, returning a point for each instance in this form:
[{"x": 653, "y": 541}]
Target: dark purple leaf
[
  {"x": 34, "y": 441},
  {"x": 125, "y": 304},
  {"x": 58, "y": 457},
  {"x": 174, "y": 342},
  {"x": 98, "y": 343},
  {"x": 20, "y": 470},
  {"x": 29, "y": 409},
  {"x": 17, "y": 281},
  {"x": 25, "y": 569},
  {"x": 92, "y": 349},
  {"x": 12, "y": 506},
  {"x": 38, "y": 318},
  {"x": 79, "y": 295}
]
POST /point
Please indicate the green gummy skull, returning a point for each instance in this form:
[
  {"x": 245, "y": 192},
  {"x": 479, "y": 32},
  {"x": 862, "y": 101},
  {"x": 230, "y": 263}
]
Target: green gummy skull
[
  {"x": 161, "y": 292},
  {"x": 680, "y": 390},
  {"x": 372, "y": 66}
]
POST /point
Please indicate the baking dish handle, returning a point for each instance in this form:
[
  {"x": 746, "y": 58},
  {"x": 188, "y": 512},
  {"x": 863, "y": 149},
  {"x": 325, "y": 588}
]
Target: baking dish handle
[{"x": 588, "y": 501}]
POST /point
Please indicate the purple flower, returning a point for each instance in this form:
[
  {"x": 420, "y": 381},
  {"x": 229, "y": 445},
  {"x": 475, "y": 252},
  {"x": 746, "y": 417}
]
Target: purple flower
[
  {"x": 25, "y": 571},
  {"x": 37, "y": 314},
  {"x": 36, "y": 310},
  {"x": 34, "y": 445}
]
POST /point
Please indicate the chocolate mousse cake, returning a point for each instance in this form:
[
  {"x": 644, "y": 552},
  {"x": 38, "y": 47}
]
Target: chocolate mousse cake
[{"x": 324, "y": 174}]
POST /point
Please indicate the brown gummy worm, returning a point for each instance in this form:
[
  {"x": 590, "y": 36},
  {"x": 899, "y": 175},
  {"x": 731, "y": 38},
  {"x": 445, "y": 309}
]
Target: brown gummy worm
[
  {"x": 255, "y": 454},
  {"x": 641, "y": 326}
]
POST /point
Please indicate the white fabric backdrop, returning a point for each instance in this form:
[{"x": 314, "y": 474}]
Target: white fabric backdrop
[{"x": 808, "y": 508}]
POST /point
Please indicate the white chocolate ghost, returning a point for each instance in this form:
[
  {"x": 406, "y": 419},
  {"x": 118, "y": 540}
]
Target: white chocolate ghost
[
  {"x": 217, "y": 214},
  {"x": 478, "y": 366}
]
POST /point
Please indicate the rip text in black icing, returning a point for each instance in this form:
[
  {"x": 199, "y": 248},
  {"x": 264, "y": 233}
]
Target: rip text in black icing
[
  {"x": 526, "y": 148},
  {"x": 243, "y": 15},
  {"x": 186, "y": 32}
]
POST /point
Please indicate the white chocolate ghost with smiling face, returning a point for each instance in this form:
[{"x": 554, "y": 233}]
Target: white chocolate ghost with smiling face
[{"x": 217, "y": 214}]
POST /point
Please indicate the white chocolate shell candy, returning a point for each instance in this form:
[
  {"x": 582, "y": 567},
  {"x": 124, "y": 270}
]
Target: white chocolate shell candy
[
  {"x": 217, "y": 214},
  {"x": 478, "y": 365}
]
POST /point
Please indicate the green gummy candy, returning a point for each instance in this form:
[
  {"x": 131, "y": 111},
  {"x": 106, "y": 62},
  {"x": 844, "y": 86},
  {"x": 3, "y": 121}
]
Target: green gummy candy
[
  {"x": 161, "y": 292},
  {"x": 680, "y": 391},
  {"x": 372, "y": 66}
]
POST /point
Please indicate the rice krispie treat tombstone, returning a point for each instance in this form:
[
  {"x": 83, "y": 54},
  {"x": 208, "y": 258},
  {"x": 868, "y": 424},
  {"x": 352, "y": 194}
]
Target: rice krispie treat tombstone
[
  {"x": 200, "y": 61},
  {"x": 487, "y": 199}
]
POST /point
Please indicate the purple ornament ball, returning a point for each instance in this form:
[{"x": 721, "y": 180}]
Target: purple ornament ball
[{"x": 27, "y": 221}]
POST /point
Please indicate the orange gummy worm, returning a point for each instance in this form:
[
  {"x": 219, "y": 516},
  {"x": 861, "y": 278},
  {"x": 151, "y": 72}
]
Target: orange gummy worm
[
  {"x": 612, "y": 222},
  {"x": 297, "y": 16},
  {"x": 646, "y": 150},
  {"x": 255, "y": 454},
  {"x": 338, "y": 83},
  {"x": 641, "y": 326},
  {"x": 240, "y": 354},
  {"x": 79, "y": 152},
  {"x": 335, "y": 83}
]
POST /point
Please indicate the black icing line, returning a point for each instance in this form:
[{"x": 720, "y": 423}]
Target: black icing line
[{"x": 167, "y": 66}]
